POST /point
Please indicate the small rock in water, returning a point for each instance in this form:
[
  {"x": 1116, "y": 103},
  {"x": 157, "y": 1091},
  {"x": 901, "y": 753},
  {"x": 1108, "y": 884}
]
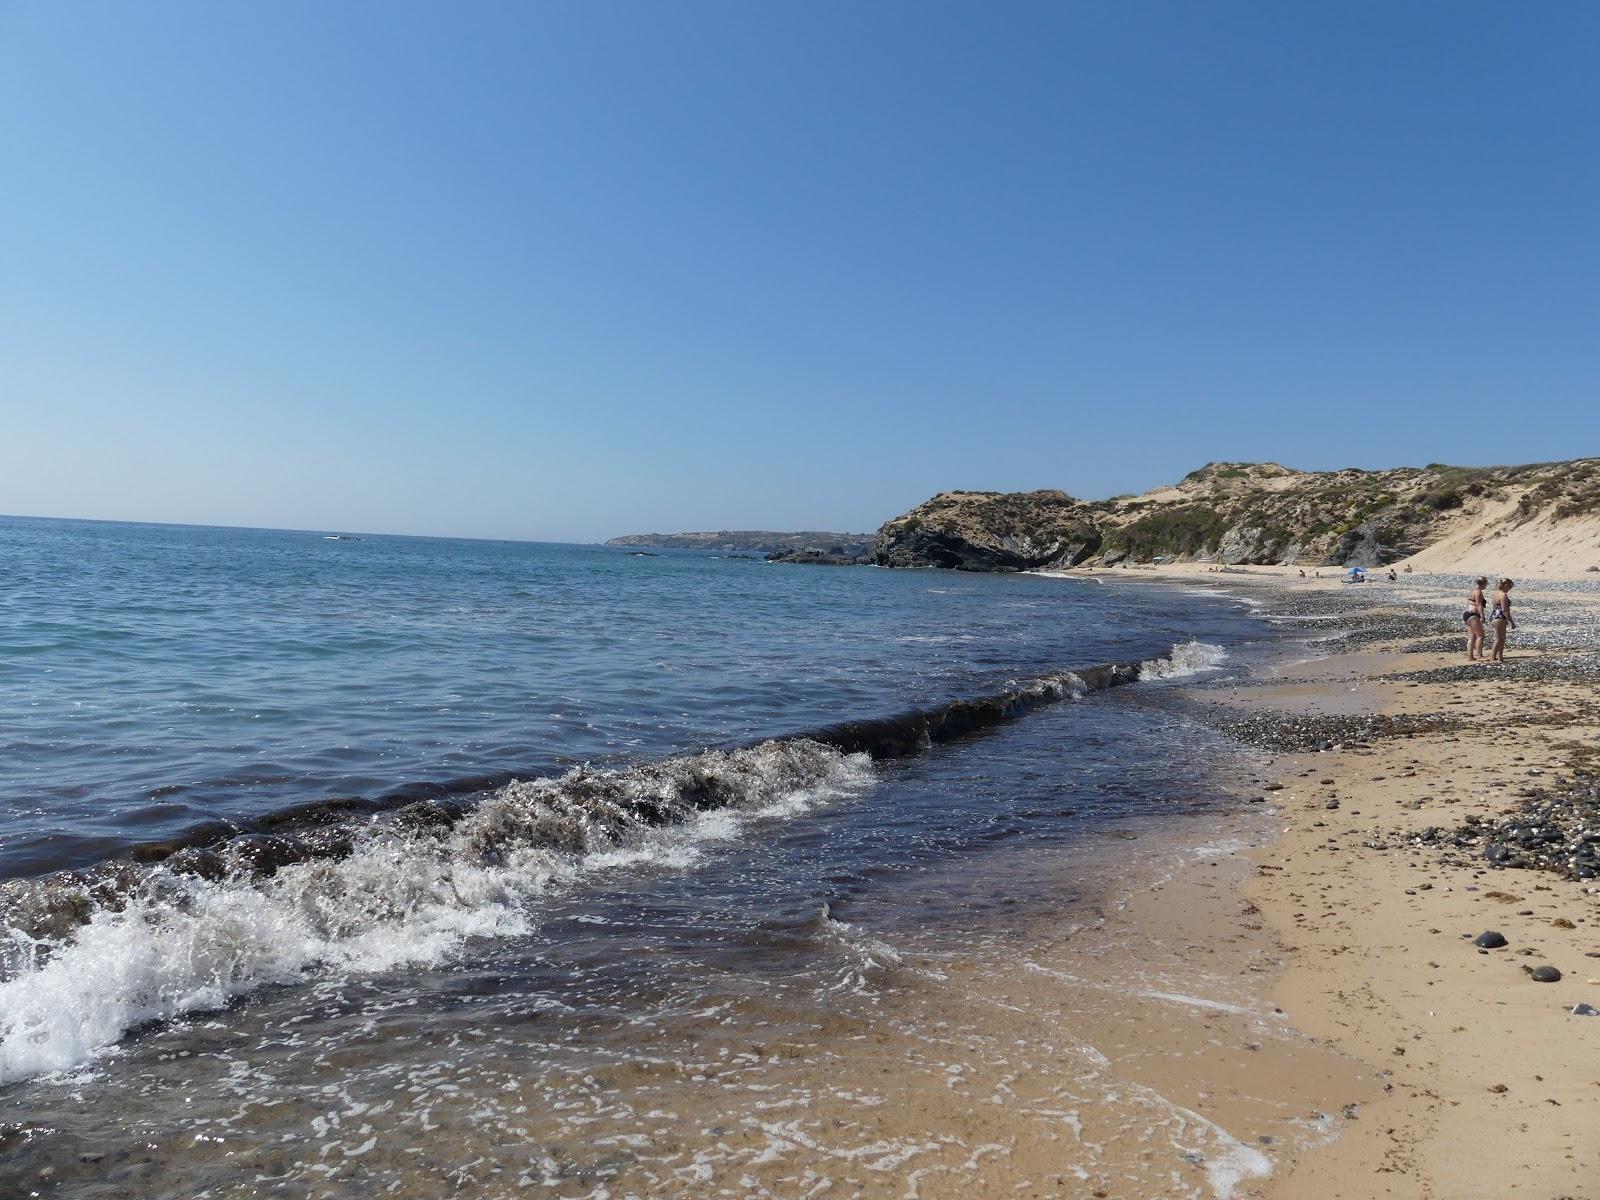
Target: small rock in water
[
  {"x": 1546, "y": 974},
  {"x": 1489, "y": 939}
]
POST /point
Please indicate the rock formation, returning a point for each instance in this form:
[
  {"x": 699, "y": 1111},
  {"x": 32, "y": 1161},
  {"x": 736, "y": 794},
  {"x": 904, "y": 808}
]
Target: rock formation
[
  {"x": 754, "y": 541},
  {"x": 1235, "y": 513},
  {"x": 989, "y": 531}
]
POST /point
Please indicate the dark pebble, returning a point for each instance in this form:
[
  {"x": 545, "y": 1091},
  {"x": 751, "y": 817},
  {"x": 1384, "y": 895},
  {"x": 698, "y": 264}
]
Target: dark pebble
[
  {"x": 1489, "y": 939},
  {"x": 1546, "y": 974}
]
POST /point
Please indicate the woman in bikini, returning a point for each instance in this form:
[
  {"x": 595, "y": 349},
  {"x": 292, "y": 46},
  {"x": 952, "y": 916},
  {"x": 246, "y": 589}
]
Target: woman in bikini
[
  {"x": 1500, "y": 617},
  {"x": 1474, "y": 619}
]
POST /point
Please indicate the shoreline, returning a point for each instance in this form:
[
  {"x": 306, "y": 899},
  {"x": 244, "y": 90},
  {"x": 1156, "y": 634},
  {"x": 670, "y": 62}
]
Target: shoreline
[
  {"x": 1218, "y": 994},
  {"x": 1489, "y": 1083}
]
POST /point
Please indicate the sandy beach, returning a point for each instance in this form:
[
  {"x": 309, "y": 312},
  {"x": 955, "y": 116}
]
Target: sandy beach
[{"x": 1488, "y": 1078}]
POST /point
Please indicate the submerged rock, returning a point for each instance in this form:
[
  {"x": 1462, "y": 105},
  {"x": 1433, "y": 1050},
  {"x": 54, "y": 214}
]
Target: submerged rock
[{"x": 833, "y": 556}]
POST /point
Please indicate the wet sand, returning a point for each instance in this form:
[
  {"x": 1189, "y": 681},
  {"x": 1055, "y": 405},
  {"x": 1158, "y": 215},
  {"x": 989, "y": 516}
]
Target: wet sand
[
  {"x": 1273, "y": 996},
  {"x": 1116, "y": 1042},
  {"x": 1491, "y": 1086}
]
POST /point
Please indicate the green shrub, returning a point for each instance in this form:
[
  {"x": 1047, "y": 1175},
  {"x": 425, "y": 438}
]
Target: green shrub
[{"x": 1185, "y": 530}]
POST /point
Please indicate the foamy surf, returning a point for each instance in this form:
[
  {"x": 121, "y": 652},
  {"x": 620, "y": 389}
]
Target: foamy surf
[
  {"x": 1188, "y": 658},
  {"x": 87, "y": 957},
  {"x": 171, "y": 943}
]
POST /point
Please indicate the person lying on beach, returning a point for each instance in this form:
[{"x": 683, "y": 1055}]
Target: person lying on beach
[
  {"x": 1474, "y": 619},
  {"x": 1500, "y": 617}
]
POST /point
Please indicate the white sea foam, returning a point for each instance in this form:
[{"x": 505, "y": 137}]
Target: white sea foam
[
  {"x": 1186, "y": 658},
  {"x": 178, "y": 943},
  {"x": 864, "y": 955},
  {"x": 1251, "y": 602}
]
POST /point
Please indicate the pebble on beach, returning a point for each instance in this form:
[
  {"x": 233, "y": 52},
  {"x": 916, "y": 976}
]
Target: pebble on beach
[
  {"x": 1546, "y": 974},
  {"x": 1489, "y": 939}
]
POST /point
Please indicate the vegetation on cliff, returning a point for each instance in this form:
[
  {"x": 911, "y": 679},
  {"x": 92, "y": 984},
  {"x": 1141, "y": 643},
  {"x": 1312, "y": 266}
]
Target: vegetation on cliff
[
  {"x": 989, "y": 531},
  {"x": 1240, "y": 513}
]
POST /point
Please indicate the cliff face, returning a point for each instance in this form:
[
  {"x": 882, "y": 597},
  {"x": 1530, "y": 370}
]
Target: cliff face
[
  {"x": 989, "y": 531},
  {"x": 1248, "y": 513}
]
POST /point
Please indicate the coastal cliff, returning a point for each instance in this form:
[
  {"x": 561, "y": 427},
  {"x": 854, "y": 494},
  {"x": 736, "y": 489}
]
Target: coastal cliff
[
  {"x": 990, "y": 531},
  {"x": 1259, "y": 513}
]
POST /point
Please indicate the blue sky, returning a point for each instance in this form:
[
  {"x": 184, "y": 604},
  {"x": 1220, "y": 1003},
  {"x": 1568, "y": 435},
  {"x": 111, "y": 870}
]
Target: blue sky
[{"x": 570, "y": 270}]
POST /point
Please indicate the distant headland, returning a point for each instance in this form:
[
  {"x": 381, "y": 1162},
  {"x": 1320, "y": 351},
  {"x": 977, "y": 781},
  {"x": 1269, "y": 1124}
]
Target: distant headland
[
  {"x": 1537, "y": 519},
  {"x": 756, "y": 541}
]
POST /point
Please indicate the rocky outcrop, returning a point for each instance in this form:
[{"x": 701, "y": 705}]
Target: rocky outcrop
[
  {"x": 820, "y": 558},
  {"x": 989, "y": 531},
  {"x": 753, "y": 541},
  {"x": 1371, "y": 544},
  {"x": 1245, "y": 513}
]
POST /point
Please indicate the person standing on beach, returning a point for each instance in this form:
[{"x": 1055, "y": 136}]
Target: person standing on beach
[
  {"x": 1500, "y": 617},
  {"x": 1474, "y": 619}
]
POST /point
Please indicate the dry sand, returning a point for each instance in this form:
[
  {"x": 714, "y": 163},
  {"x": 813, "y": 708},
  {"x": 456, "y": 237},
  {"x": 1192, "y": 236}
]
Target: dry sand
[{"x": 1493, "y": 1086}]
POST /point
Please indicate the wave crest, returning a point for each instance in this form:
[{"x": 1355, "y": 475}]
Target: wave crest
[
  {"x": 1187, "y": 658},
  {"x": 362, "y": 885},
  {"x": 162, "y": 942}
]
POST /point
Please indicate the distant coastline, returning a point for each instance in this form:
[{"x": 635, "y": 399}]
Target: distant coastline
[
  {"x": 1540, "y": 519},
  {"x": 754, "y": 541}
]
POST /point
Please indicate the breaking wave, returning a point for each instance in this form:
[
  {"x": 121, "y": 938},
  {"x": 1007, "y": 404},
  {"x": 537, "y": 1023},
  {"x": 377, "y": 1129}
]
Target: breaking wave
[
  {"x": 1189, "y": 658},
  {"x": 186, "y": 936},
  {"x": 177, "y": 928}
]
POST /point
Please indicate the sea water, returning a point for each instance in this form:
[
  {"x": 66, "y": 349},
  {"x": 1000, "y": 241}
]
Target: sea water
[{"x": 364, "y": 865}]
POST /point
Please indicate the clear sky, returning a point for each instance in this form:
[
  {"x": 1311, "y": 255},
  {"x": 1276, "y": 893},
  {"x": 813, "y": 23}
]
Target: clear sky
[{"x": 571, "y": 270}]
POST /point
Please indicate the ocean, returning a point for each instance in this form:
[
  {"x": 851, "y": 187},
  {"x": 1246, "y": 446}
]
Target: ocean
[{"x": 406, "y": 866}]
